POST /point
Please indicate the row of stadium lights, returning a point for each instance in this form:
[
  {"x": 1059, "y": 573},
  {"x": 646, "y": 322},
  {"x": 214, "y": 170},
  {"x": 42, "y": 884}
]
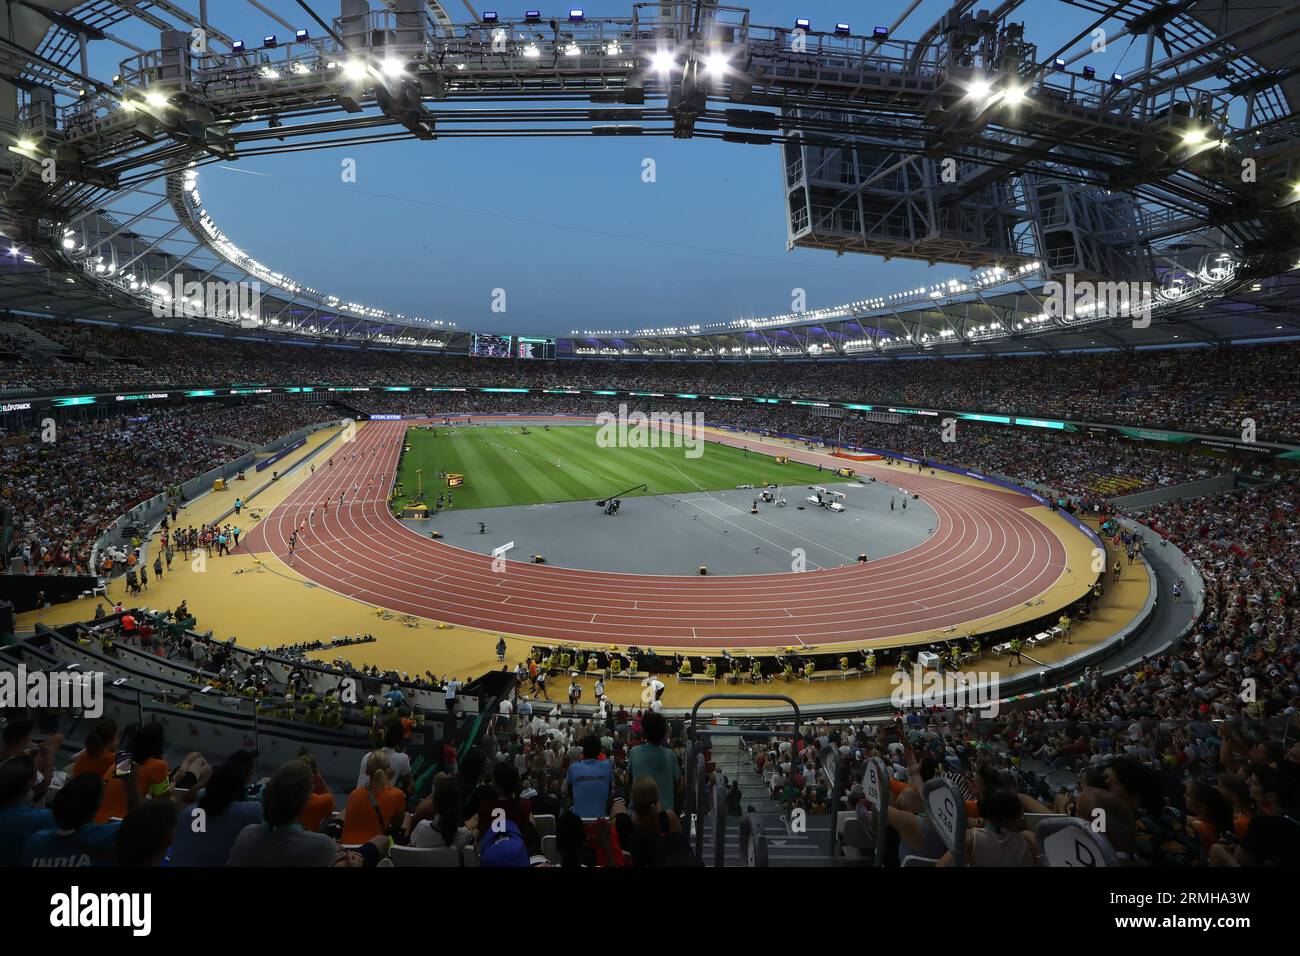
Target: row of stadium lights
[{"x": 981, "y": 90}]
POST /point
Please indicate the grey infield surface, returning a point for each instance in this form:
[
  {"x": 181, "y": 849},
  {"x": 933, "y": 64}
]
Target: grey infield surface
[{"x": 675, "y": 534}]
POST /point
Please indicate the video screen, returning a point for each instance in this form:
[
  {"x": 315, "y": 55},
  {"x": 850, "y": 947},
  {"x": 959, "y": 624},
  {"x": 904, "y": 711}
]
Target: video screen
[
  {"x": 491, "y": 346},
  {"x": 530, "y": 348}
]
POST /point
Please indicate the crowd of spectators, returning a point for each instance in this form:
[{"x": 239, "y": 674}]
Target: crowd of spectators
[
  {"x": 1196, "y": 389},
  {"x": 1193, "y": 753},
  {"x": 63, "y": 493},
  {"x": 64, "y": 484},
  {"x": 536, "y": 792}
]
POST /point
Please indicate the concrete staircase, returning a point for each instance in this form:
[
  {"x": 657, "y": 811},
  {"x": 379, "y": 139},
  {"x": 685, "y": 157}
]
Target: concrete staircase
[{"x": 785, "y": 848}]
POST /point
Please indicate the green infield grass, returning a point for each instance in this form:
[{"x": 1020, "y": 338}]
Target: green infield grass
[{"x": 504, "y": 466}]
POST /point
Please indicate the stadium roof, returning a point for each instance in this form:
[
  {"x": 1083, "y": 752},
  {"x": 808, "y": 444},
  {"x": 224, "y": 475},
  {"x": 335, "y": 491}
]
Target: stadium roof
[{"x": 100, "y": 243}]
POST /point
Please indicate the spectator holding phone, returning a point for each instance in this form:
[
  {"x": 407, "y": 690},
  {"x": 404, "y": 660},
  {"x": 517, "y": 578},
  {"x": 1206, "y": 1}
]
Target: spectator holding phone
[{"x": 150, "y": 773}]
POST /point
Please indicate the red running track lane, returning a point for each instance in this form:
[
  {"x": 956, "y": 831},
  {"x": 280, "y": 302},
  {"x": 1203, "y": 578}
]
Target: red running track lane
[{"x": 986, "y": 556}]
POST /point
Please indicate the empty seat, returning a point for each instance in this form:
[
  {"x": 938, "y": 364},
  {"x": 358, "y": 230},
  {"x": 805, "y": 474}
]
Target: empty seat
[
  {"x": 551, "y": 849},
  {"x": 414, "y": 856}
]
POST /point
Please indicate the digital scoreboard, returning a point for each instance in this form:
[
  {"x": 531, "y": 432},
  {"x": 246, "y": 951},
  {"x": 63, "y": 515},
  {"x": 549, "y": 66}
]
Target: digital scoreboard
[{"x": 532, "y": 348}]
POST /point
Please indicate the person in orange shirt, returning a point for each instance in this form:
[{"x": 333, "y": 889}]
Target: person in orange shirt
[
  {"x": 321, "y": 802},
  {"x": 897, "y": 787},
  {"x": 1209, "y": 812},
  {"x": 153, "y": 777},
  {"x": 372, "y": 810},
  {"x": 101, "y": 745},
  {"x": 1236, "y": 791}
]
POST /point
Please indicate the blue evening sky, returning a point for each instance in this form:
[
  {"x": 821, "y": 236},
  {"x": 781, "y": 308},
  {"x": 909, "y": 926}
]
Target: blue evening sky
[{"x": 565, "y": 226}]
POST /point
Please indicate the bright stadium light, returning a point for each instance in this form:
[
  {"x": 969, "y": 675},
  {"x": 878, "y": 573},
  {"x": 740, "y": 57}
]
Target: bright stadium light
[
  {"x": 1194, "y": 136},
  {"x": 662, "y": 62},
  {"x": 1014, "y": 95},
  {"x": 532, "y": 52},
  {"x": 979, "y": 90},
  {"x": 393, "y": 67},
  {"x": 716, "y": 64},
  {"x": 155, "y": 99},
  {"x": 355, "y": 70}
]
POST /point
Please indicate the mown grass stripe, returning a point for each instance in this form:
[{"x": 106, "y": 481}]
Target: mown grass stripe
[{"x": 504, "y": 467}]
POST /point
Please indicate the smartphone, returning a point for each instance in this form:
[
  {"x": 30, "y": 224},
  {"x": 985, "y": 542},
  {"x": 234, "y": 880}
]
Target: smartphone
[{"x": 122, "y": 763}]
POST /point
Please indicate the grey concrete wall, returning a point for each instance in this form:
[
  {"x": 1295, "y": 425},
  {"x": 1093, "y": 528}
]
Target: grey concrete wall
[{"x": 1190, "y": 489}]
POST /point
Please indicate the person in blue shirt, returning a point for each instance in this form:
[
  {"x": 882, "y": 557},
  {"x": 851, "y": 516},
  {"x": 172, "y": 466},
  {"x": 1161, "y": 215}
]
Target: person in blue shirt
[
  {"x": 395, "y": 697},
  {"x": 76, "y": 840},
  {"x": 18, "y": 818},
  {"x": 589, "y": 781},
  {"x": 206, "y": 831}
]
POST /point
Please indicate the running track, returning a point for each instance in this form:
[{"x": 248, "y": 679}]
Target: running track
[{"x": 986, "y": 556}]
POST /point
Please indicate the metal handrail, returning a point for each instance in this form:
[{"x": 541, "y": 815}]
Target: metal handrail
[{"x": 696, "y": 792}]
